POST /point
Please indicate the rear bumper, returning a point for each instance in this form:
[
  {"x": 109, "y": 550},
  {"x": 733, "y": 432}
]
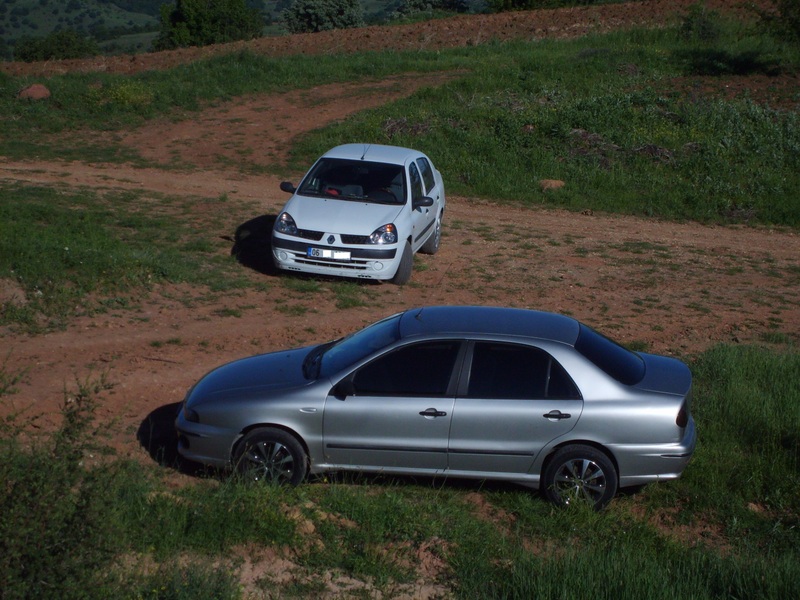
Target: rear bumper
[{"x": 641, "y": 464}]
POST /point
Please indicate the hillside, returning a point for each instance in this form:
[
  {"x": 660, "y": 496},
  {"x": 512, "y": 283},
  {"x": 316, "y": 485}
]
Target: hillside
[{"x": 459, "y": 31}]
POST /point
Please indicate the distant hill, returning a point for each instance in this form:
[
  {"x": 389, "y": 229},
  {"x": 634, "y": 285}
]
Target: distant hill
[{"x": 103, "y": 19}]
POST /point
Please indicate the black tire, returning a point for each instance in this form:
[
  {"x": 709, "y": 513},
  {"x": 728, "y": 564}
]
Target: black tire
[
  {"x": 580, "y": 473},
  {"x": 431, "y": 245},
  {"x": 272, "y": 456},
  {"x": 403, "y": 273}
]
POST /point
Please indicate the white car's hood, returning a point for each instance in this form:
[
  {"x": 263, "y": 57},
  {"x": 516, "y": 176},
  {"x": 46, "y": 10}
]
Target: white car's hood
[{"x": 340, "y": 216}]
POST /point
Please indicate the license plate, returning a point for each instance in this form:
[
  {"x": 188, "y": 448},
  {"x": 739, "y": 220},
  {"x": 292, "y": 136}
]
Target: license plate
[{"x": 326, "y": 253}]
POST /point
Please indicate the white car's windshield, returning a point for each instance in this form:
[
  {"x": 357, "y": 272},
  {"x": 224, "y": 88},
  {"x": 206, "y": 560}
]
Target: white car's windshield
[
  {"x": 356, "y": 346},
  {"x": 355, "y": 180}
]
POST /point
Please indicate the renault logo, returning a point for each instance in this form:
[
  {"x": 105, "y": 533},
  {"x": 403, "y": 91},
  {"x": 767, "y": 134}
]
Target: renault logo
[{"x": 331, "y": 239}]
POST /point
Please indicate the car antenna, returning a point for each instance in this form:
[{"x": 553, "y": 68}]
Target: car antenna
[{"x": 366, "y": 149}]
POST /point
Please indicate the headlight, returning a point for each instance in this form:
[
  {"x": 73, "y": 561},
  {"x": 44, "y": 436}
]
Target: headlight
[
  {"x": 190, "y": 415},
  {"x": 285, "y": 224},
  {"x": 384, "y": 235}
]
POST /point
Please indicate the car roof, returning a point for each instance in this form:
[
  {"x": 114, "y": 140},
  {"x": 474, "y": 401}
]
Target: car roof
[
  {"x": 373, "y": 153},
  {"x": 482, "y": 320}
]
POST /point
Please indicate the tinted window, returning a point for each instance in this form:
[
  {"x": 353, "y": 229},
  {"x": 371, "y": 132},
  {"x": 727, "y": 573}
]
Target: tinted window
[
  {"x": 620, "y": 363},
  {"x": 427, "y": 173},
  {"x": 415, "y": 370},
  {"x": 343, "y": 353},
  {"x": 416, "y": 182},
  {"x": 517, "y": 372}
]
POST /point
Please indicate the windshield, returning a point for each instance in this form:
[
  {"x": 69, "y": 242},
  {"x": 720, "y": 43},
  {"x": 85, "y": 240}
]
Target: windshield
[
  {"x": 339, "y": 355},
  {"x": 355, "y": 180},
  {"x": 623, "y": 365}
]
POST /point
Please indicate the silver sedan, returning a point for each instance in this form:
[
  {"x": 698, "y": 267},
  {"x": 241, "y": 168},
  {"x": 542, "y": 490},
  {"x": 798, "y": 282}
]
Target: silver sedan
[{"x": 476, "y": 392}]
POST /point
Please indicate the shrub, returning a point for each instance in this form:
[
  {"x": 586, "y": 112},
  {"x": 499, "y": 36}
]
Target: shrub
[
  {"x": 783, "y": 20},
  {"x": 67, "y": 43},
  {"x": 507, "y": 5},
  {"x": 701, "y": 24},
  {"x": 411, "y": 7},
  {"x": 206, "y": 22},
  {"x": 308, "y": 16},
  {"x": 55, "y": 537}
]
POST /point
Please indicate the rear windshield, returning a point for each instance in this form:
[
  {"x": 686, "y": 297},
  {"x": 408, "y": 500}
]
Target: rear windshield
[{"x": 621, "y": 364}]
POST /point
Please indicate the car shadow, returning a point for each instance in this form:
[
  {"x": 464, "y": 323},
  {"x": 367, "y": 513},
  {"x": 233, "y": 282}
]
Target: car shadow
[
  {"x": 383, "y": 480},
  {"x": 157, "y": 436},
  {"x": 252, "y": 248},
  {"x": 252, "y": 244}
]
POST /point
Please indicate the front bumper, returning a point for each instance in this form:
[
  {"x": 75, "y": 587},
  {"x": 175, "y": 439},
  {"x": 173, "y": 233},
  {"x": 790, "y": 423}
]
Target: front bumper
[
  {"x": 205, "y": 444},
  {"x": 363, "y": 263}
]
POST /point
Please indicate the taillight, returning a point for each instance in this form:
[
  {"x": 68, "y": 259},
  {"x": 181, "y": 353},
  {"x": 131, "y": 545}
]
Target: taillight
[{"x": 683, "y": 417}]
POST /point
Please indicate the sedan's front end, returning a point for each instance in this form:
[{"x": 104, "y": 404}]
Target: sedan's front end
[
  {"x": 267, "y": 389},
  {"x": 326, "y": 250}
]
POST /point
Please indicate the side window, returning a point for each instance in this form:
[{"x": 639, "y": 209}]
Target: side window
[
  {"x": 415, "y": 370},
  {"x": 416, "y": 182},
  {"x": 511, "y": 371},
  {"x": 427, "y": 173}
]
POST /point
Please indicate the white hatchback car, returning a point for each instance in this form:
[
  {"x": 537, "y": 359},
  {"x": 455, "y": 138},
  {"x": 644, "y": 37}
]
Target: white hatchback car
[{"x": 361, "y": 211}]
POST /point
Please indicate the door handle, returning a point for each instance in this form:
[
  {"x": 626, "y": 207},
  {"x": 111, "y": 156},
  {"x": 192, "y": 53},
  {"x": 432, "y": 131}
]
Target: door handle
[
  {"x": 432, "y": 412},
  {"x": 556, "y": 414}
]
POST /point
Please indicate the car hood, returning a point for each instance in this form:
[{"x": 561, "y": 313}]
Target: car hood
[
  {"x": 264, "y": 372},
  {"x": 354, "y": 217},
  {"x": 665, "y": 374}
]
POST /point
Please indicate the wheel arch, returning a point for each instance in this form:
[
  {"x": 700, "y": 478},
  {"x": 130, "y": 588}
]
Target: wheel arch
[
  {"x": 597, "y": 446},
  {"x": 277, "y": 426}
]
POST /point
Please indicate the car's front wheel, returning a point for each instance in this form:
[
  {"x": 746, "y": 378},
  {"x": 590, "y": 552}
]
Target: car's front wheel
[
  {"x": 403, "y": 273},
  {"x": 580, "y": 473},
  {"x": 271, "y": 455}
]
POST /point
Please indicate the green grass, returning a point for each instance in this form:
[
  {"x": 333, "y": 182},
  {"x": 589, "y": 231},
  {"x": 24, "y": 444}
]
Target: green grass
[
  {"x": 602, "y": 113},
  {"x": 727, "y": 528},
  {"x": 81, "y": 252},
  {"x": 622, "y": 141}
]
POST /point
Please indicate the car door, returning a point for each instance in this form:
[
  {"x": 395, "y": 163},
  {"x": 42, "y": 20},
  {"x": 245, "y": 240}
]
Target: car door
[
  {"x": 514, "y": 399},
  {"x": 394, "y": 412},
  {"x": 422, "y": 217},
  {"x": 432, "y": 187}
]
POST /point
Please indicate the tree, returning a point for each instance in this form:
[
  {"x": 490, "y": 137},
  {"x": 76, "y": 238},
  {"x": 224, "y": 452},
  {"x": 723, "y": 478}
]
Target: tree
[
  {"x": 205, "y": 22},
  {"x": 308, "y": 16},
  {"x": 66, "y": 43}
]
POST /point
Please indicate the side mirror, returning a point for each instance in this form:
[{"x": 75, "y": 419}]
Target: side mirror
[
  {"x": 288, "y": 187},
  {"x": 422, "y": 202},
  {"x": 343, "y": 389}
]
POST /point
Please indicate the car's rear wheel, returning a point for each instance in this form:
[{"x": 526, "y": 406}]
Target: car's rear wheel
[
  {"x": 580, "y": 474},
  {"x": 403, "y": 273},
  {"x": 431, "y": 245},
  {"x": 271, "y": 455}
]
